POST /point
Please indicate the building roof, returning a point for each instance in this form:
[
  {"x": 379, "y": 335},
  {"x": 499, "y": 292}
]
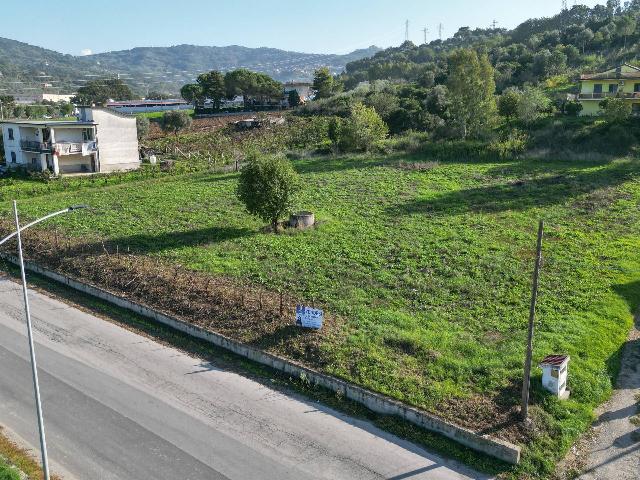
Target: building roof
[
  {"x": 143, "y": 103},
  {"x": 614, "y": 74},
  {"x": 554, "y": 360},
  {"x": 51, "y": 123}
]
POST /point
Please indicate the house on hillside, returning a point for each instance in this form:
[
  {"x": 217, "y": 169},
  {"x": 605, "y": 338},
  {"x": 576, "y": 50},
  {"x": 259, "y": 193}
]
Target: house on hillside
[
  {"x": 622, "y": 82},
  {"x": 304, "y": 89},
  {"x": 99, "y": 141},
  {"x": 31, "y": 99}
]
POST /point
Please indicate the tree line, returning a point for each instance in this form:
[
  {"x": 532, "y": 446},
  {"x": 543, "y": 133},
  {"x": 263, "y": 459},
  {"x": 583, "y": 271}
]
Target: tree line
[{"x": 215, "y": 86}]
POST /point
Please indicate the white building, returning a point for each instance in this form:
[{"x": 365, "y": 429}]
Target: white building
[
  {"x": 554, "y": 374},
  {"x": 30, "y": 99},
  {"x": 99, "y": 141}
]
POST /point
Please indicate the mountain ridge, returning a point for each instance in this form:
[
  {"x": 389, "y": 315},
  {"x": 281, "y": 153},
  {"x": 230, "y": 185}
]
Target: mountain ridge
[{"x": 26, "y": 67}]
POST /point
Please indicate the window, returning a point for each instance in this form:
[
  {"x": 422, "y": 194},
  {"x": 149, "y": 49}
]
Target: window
[
  {"x": 613, "y": 87},
  {"x": 635, "y": 108},
  {"x": 636, "y": 87},
  {"x": 87, "y": 134},
  {"x": 597, "y": 88},
  {"x": 33, "y": 160},
  {"x": 13, "y": 157},
  {"x": 11, "y": 134}
]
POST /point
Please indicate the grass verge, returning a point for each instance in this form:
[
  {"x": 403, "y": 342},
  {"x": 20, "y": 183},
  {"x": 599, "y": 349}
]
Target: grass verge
[{"x": 11, "y": 455}]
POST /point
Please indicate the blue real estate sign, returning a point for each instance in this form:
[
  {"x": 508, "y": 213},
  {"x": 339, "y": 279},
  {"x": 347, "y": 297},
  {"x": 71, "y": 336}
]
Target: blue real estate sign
[{"x": 309, "y": 317}]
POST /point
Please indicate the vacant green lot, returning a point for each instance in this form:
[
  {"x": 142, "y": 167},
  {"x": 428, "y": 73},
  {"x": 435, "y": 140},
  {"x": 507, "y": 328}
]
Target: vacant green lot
[{"x": 427, "y": 266}]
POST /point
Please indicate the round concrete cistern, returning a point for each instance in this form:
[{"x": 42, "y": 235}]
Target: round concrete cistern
[{"x": 302, "y": 220}]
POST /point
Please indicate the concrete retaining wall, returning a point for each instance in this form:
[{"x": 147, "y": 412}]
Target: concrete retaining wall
[{"x": 378, "y": 403}]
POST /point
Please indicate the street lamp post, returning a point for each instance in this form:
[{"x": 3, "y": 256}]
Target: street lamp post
[{"x": 34, "y": 368}]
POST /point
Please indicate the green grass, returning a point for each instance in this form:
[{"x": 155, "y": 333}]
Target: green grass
[
  {"x": 158, "y": 115},
  {"x": 428, "y": 270},
  {"x": 7, "y": 473}
]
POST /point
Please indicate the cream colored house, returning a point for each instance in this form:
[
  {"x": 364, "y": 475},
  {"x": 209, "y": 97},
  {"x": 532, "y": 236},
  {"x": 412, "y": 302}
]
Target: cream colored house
[
  {"x": 99, "y": 141},
  {"x": 622, "y": 81}
]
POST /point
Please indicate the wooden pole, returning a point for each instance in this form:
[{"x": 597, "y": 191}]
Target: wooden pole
[{"x": 532, "y": 315}]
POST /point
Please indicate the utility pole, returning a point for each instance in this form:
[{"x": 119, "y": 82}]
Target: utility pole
[
  {"x": 425, "y": 30},
  {"x": 406, "y": 31},
  {"x": 494, "y": 24},
  {"x": 34, "y": 368},
  {"x": 532, "y": 315},
  {"x": 564, "y": 6},
  {"x": 440, "y": 28}
]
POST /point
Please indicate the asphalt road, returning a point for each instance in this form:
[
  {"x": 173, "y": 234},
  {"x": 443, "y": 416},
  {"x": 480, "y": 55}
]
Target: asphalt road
[{"x": 118, "y": 405}]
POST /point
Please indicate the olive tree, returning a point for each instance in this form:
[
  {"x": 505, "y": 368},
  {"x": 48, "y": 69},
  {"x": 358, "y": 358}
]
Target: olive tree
[
  {"x": 174, "y": 121},
  {"x": 268, "y": 186}
]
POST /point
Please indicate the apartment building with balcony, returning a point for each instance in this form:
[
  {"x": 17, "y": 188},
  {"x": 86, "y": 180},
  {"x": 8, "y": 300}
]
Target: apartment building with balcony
[
  {"x": 99, "y": 141},
  {"x": 622, "y": 82}
]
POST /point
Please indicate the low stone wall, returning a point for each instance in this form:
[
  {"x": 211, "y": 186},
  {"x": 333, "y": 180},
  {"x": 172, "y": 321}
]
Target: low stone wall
[{"x": 378, "y": 403}]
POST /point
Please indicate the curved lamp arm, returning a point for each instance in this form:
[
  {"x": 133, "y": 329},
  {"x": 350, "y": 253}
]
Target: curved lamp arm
[{"x": 46, "y": 217}]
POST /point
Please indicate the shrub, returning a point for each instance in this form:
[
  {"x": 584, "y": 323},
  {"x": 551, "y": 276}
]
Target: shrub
[
  {"x": 509, "y": 102},
  {"x": 362, "y": 130},
  {"x": 7, "y": 473},
  {"x": 573, "y": 108},
  {"x": 515, "y": 143},
  {"x": 533, "y": 104},
  {"x": 267, "y": 187},
  {"x": 615, "y": 110},
  {"x": 307, "y": 132},
  {"x": 142, "y": 124}
]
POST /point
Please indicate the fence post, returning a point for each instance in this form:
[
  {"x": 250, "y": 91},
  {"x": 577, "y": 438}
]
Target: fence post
[{"x": 532, "y": 314}]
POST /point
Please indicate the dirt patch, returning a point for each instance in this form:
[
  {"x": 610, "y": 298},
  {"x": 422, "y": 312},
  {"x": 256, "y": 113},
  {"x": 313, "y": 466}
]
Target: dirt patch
[
  {"x": 417, "y": 166},
  {"x": 204, "y": 125}
]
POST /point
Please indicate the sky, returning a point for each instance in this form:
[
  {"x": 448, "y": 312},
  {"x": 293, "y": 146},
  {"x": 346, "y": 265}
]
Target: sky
[{"x": 329, "y": 26}]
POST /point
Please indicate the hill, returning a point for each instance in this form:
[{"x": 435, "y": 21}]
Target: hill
[
  {"x": 575, "y": 40},
  {"x": 25, "y": 67}
]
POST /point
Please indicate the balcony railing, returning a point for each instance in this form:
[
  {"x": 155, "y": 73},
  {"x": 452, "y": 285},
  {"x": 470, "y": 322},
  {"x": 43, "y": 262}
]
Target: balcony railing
[
  {"x": 59, "y": 148},
  {"x": 31, "y": 146},
  {"x": 72, "y": 148},
  {"x": 601, "y": 95}
]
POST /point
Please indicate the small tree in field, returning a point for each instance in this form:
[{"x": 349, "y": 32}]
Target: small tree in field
[
  {"x": 267, "y": 187},
  {"x": 174, "y": 121}
]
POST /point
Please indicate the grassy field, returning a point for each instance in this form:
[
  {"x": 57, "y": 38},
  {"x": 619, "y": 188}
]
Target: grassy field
[
  {"x": 158, "y": 115},
  {"x": 427, "y": 268}
]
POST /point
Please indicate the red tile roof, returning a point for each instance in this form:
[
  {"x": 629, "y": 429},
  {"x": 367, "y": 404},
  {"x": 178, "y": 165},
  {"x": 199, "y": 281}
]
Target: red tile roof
[{"x": 554, "y": 360}]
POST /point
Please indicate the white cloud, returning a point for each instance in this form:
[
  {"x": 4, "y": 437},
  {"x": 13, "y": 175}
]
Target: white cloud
[{"x": 85, "y": 51}]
